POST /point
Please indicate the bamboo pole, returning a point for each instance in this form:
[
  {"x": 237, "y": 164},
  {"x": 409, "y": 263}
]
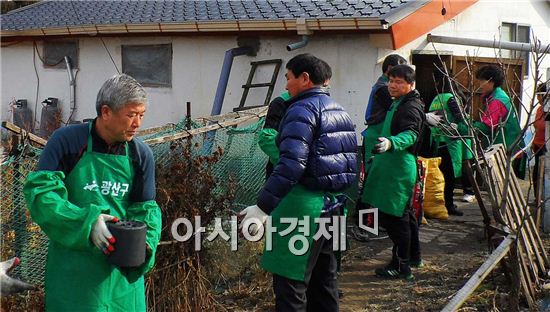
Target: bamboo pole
[
  {"x": 218, "y": 125},
  {"x": 517, "y": 220},
  {"x": 539, "y": 204},
  {"x": 152, "y": 130},
  {"x": 232, "y": 115},
  {"x": 458, "y": 300},
  {"x": 530, "y": 228},
  {"x": 17, "y": 130}
]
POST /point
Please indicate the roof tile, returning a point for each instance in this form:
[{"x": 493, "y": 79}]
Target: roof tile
[{"x": 74, "y": 13}]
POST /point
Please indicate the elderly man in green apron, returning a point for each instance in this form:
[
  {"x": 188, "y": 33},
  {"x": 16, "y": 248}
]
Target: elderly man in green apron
[
  {"x": 393, "y": 173},
  {"x": 314, "y": 157},
  {"x": 90, "y": 174}
]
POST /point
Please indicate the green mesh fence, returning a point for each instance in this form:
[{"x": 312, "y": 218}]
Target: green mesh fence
[
  {"x": 242, "y": 161},
  {"x": 20, "y": 236}
]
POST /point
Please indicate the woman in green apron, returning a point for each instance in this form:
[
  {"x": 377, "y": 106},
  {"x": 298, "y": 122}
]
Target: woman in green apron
[
  {"x": 499, "y": 122},
  {"x": 70, "y": 203},
  {"x": 393, "y": 173}
]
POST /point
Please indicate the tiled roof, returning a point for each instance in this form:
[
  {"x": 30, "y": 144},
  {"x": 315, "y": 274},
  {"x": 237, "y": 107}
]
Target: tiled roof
[{"x": 52, "y": 14}]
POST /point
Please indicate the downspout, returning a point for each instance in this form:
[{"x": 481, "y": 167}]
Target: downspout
[
  {"x": 224, "y": 76},
  {"x": 72, "y": 89},
  {"x": 301, "y": 29},
  {"x": 299, "y": 44}
]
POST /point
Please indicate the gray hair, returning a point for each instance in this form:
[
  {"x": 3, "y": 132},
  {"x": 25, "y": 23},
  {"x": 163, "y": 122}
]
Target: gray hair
[{"x": 118, "y": 91}]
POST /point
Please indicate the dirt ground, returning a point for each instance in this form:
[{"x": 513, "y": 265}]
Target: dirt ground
[{"x": 451, "y": 250}]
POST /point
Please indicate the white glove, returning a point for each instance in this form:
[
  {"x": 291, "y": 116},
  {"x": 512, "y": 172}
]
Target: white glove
[
  {"x": 250, "y": 213},
  {"x": 433, "y": 119},
  {"x": 9, "y": 285},
  {"x": 100, "y": 235},
  {"x": 383, "y": 146}
]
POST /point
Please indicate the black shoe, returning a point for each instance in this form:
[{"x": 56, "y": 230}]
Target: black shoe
[
  {"x": 389, "y": 272},
  {"x": 417, "y": 264},
  {"x": 454, "y": 211},
  {"x": 340, "y": 293}
]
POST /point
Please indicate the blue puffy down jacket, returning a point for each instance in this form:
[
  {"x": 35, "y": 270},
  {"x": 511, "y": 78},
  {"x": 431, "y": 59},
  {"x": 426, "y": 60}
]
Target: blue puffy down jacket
[{"x": 318, "y": 149}]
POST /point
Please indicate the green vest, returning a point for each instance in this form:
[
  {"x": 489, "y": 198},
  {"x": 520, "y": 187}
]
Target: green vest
[
  {"x": 511, "y": 129},
  {"x": 455, "y": 146},
  {"x": 439, "y": 104}
]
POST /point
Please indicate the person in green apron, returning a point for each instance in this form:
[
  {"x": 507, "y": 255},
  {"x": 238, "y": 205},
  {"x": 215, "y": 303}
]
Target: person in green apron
[
  {"x": 391, "y": 177},
  {"x": 446, "y": 107},
  {"x": 275, "y": 112},
  {"x": 315, "y": 157},
  {"x": 499, "y": 122},
  {"x": 90, "y": 174},
  {"x": 378, "y": 105}
]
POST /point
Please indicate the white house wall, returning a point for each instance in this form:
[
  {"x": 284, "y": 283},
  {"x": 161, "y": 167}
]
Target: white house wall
[
  {"x": 197, "y": 63},
  {"x": 482, "y": 21},
  {"x": 196, "y": 66}
]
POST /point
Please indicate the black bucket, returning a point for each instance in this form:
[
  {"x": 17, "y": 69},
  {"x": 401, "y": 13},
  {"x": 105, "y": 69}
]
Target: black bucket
[{"x": 130, "y": 243}]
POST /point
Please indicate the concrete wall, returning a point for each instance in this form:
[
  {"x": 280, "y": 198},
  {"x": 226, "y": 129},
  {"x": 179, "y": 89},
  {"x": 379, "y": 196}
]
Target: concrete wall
[
  {"x": 482, "y": 21},
  {"x": 196, "y": 67},
  {"x": 197, "y": 63}
]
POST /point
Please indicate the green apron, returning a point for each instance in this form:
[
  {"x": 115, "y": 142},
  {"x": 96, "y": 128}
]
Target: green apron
[
  {"x": 298, "y": 203},
  {"x": 455, "y": 147},
  {"x": 508, "y": 134},
  {"x": 467, "y": 149},
  {"x": 392, "y": 175},
  {"x": 511, "y": 130},
  {"x": 370, "y": 138},
  {"x": 85, "y": 276}
]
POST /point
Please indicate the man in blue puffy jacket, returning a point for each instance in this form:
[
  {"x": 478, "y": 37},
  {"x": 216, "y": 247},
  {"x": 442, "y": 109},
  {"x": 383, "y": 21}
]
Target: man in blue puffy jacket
[{"x": 315, "y": 158}]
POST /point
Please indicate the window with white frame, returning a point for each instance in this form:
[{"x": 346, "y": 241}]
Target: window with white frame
[
  {"x": 151, "y": 65},
  {"x": 516, "y": 33}
]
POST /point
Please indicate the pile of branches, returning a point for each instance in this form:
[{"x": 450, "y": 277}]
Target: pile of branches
[{"x": 186, "y": 187}]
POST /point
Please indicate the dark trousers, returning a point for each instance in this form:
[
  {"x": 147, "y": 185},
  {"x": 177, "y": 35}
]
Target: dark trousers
[
  {"x": 319, "y": 291},
  {"x": 467, "y": 187},
  {"x": 446, "y": 168},
  {"x": 403, "y": 231}
]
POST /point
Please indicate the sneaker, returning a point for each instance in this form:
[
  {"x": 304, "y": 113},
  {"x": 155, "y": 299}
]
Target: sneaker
[
  {"x": 417, "y": 264},
  {"x": 468, "y": 198},
  {"x": 388, "y": 272}
]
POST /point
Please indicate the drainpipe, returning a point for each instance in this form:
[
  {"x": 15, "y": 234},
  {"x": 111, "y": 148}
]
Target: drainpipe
[
  {"x": 299, "y": 44},
  {"x": 302, "y": 29},
  {"x": 72, "y": 88},
  {"x": 506, "y": 45},
  {"x": 224, "y": 76}
]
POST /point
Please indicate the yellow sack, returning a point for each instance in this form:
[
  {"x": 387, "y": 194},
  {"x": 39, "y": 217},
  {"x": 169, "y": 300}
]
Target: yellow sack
[{"x": 434, "y": 198}]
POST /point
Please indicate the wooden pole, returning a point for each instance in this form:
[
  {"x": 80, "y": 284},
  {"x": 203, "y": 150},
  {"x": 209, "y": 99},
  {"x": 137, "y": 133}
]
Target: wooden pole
[
  {"x": 477, "y": 192},
  {"x": 15, "y": 129},
  {"x": 540, "y": 189},
  {"x": 218, "y": 125},
  {"x": 471, "y": 285}
]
